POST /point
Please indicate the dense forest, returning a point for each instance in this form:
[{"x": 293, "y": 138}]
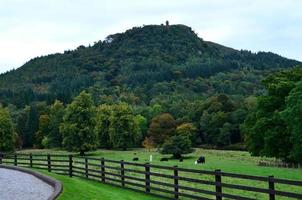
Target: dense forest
[{"x": 152, "y": 86}]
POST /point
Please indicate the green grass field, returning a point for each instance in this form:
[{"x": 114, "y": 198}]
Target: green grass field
[
  {"x": 79, "y": 189},
  {"x": 228, "y": 161}
]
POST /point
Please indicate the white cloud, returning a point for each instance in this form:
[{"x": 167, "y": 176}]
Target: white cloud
[{"x": 30, "y": 28}]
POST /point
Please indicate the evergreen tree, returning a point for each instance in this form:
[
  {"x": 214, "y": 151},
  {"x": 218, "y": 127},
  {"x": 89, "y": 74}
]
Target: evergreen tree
[
  {"x": 20, "y": 126},
  {"x": 31, "y": 126},
  {"x": 55, "y": 119}
]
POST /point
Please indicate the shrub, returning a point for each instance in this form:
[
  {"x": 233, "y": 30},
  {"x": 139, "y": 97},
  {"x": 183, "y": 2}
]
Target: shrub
[{"x": 177, "y": 145}]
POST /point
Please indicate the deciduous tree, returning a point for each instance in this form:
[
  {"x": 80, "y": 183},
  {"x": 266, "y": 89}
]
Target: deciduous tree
[
  {"x": 117, "y": 126},
  {"x": 78, "y": 125},
  {"x": 162, "y": 127},
  {"x": 6, "y": 131},
  {"x": 177, "y": 145}
]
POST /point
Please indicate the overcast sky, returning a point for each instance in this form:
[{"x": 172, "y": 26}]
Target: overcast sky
[{"x": 31, "y": 28}]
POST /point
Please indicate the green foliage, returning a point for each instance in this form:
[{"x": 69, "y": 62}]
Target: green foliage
[
  {"x": 78, "y": 125},
  {"x": 177, "y": 145},
  {"x": 43, "y": 130},
  {"x": 162, "y": 127},
  {"x": 7, "y": 142},
  {"x": 188, "y": 130},
  {"x": 45, "y": 142},
  {"x": 219, "y": 121},
  {"x": 31, "y": 126},
  {"x": 20, "y": 125},
  {"x": 142, "y": 123},
  {"x": 103, "y": 124},
  {"x": 292, "y": 116},
  {"x": 273, "y": 128},
  {"x": 55, "y": 119},
  {"x": 154, "y": 70},
  {"x": 118, "y": 127},
  {"x": 138, "y": 66},
  {"x": 124, "y": 130}
]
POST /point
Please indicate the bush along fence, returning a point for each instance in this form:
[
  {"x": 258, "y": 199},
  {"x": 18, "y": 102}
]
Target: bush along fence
[{"x": 165, "y": 181}]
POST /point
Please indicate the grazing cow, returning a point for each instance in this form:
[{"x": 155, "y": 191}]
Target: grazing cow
[
  {"x": 201, "y": 160},
  {"x": 135, "y": 159},
  {"x": 164, "y": 159},
  {"x": 180, "y": 159}
]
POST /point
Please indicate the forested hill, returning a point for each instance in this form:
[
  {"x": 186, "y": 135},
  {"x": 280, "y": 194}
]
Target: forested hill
[{"x": 141, "y": 66}]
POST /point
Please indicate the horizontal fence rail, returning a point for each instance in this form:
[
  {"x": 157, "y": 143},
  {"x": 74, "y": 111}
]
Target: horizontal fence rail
[{"x": 166, "y": 181}]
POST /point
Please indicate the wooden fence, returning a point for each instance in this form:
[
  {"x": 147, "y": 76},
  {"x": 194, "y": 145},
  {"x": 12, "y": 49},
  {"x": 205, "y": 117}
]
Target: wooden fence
[{"x": 170, "y": 182}]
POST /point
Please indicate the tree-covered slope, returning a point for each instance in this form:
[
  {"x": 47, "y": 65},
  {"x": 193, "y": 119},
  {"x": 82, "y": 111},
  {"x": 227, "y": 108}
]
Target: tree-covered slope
[{"x": 141, "y": 66}]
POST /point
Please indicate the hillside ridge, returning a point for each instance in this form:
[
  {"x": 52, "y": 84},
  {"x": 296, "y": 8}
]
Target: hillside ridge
[{"x": 139, "y": 57}]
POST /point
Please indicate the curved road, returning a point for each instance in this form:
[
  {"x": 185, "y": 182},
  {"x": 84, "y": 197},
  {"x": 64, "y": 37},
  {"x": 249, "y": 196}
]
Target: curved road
[{"x": 22, "y": 186}]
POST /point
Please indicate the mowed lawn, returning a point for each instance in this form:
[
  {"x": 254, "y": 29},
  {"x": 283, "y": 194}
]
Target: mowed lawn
[
  {"x": 80, "y": 189},
  {"x": 228, "y": 161}
]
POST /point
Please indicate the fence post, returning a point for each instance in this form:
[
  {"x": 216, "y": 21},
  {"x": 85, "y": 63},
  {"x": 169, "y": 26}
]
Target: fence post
[
  {"x": 176, "y": 182},
  {"x": 48, "y": 163},
  {"x": 103, "y": 169},
  {"x": 147, "y": 177},
  {"x": 271, "y": 185},
  {"x": 31, "y": 160},
  {"x": 86, "y": 167},
  {"x": 123, "y": 173},
  {"x": 218, "y": 184},
  {"x": 70, "y": 165},
  {"x": 15, "y": 160}
]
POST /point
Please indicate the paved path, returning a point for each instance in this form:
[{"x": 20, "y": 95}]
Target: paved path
[{"x": 15, "y": 185}]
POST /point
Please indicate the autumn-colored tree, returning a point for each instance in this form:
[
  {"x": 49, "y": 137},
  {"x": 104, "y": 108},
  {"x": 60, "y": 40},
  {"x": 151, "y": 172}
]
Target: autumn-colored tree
[
  {"x": 162, "y": 127},
  {"x": 187, "y": 129},
  {"x": 148, "y": 143}
]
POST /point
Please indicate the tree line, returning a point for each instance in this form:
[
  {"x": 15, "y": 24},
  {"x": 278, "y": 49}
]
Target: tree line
[
  {"x": 267, "y": 125},
  {"x": 81, "y": 126}
]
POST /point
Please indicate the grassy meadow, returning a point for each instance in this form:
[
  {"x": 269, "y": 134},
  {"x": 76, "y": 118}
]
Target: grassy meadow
[
  {"x": 228, "y": 161},
  {"x": 79, "y": 189}
]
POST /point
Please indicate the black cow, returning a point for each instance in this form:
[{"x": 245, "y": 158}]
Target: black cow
[
  {"x": 164, "y": 159},
  {"x": 135, "y": 159},
  {"x": 201, "y": 160}
]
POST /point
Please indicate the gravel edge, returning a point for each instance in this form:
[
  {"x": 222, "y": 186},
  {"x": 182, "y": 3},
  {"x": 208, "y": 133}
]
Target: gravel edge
[{"x": 52, "y": 182}]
